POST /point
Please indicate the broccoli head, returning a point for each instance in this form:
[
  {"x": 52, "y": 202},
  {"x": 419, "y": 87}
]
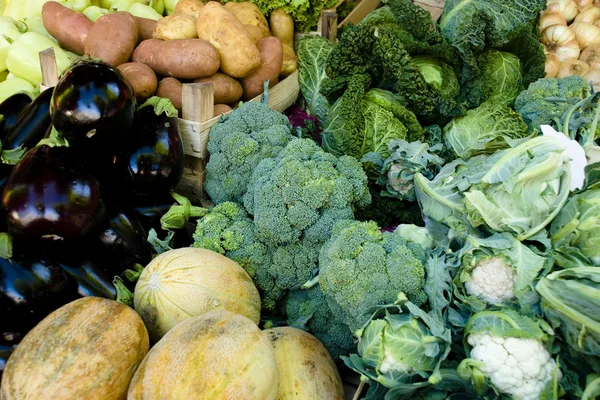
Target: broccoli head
[
  {"x": 227, "y": 229},
  {"x": 307, "y": 309},
  {"x": 236, "y": 145},
  {"x": 546, "y": 100},
  {"x": 302, "y": 193},
  {"x": 362, "y": 268}
]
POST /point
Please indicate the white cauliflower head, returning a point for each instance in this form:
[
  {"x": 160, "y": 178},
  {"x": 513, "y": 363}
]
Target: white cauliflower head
[
  {"x": 492, "y": 280},
  {"x": 518, "y": 367}
]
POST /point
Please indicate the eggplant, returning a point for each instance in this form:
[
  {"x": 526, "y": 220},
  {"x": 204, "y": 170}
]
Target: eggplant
[
  {"x": 91, "y": 279},
  {"x": 93, "y": 107},
  {"x": 32, "y": 125},
  {"x": 123, "y": 243},
  {"x": 51, "y": 198},
  {"x": 30, "y": 289},
  {"x": 11, "y": 110},
  {"x": 152, "y": 160}
]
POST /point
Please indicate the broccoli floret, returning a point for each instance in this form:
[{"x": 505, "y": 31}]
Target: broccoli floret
[
  {"x": 301, "y": 193},
  {"x": 227, "y": 229},
  {"x": 546, "y": 100},
  {"x": 236, "y": 146},
  {"x": 308, "y": 310},
  {"x": 362, "y": 267}
]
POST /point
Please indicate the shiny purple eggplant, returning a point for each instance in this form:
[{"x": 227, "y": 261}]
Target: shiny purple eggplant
[{"x": 49, "y": 196}]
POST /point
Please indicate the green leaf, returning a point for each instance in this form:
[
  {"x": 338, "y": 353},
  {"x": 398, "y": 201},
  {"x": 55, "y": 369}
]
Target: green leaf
[
  {"x": 503, "y": 323},
  {"x": 12, "y": 157},
  {"x": 160, "y": 246},
  {"x": 571, "y": 303},
  {"x": 6, "y": 245},
  {"x": 123, "y": 294},
  {"x": 592, "y": 389},
  {"x": 312, "y": 58},
  {"x": 592, "y": 176},
  {"x": 161, "y": 105}
]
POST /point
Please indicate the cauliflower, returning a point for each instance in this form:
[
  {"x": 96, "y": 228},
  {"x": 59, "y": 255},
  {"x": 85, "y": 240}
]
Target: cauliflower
[
  {"x": 391, "y": 364},
  {"x": 492, "y": 280},
  {"x": 515, "y": 366}
]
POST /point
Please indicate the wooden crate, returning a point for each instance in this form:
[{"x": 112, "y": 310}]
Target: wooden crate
[{"x": 197, "y": 112}]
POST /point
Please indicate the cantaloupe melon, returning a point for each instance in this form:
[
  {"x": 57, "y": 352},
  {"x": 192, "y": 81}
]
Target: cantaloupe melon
[
  {"x": 216, "y": 356},
  {"x": 88, "y": 349},
  {"x": 306, "y": 370},
  {"x": 188, "y": 282}
]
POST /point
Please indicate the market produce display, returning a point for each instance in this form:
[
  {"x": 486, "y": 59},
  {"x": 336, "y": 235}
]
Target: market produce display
[{"x": 423, "y": 220}]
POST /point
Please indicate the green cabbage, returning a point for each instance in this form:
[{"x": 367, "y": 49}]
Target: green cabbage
[{"x": 490, "y": 127}]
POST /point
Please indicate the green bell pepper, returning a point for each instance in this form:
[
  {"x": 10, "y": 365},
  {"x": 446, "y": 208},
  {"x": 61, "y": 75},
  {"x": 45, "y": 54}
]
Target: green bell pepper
[
  {"x": 36, "y": 24},
  {"x": 24, "y": 60},
  {"x": 158, "y": 5},
  {"x": 95, "y": 12},
  {"x": 22, "y": 9},
  {"x": 14, "y": 85},
  {"x": 79, "y": 5},
  {"x": 170, "y": 6},
  {"x": 10, "y": 30},
  {"x": 143, "y": 11}
]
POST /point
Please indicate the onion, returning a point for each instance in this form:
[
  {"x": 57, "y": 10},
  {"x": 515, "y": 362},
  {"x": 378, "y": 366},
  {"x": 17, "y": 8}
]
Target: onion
[
  {"x": 566, "y": 8},
  {"x": 552, "y": 64},
  {"x": 547, "y": 20},
  {"x": 591, "y": 56},
  {"x": 593, "y": 77},
  {"x": 586, "y": 34},
  {"x": 590, "y": 15},
  {"x": 581, "y": 4},
  {"x": 560, "y": 41},
  {"x": 572, "y": 67}
]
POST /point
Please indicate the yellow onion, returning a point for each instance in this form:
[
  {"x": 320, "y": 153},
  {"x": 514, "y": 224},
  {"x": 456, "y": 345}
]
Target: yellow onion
[
  {"x": 572, "y": 67},
  {"x": 552, "y": 64},
  {"x": 593, "y": 77},
  {"x": 586, "y": 34},
  {"x": 591, "y": 56},
  {"x": 547, "y": 20},
  {"x": 589, "y": 14},
  {"x": 560, "y": 41},
  {"x": 567, "y": 8}
]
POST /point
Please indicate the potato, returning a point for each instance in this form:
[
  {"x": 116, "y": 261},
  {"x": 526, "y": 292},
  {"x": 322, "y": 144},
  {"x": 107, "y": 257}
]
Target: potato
[
  {"x": 271, "y": 52},
  {"x": 179, "y": 58},
  {"x": 290, "y": 61},
  {"x": 254, "y": 32},
  {"x": 113, "y": 38},
  {"x": 227, "y": 89},
  {"x": 249, "y": 14},
  {"x": 189, "y": 7},
  {"x": 175, "y": 27},
  {"x": 221, "y": 109},
  {"x": 70, "y": 28},
  {"x": 146, "y": 28},
  {"x": 141, "y": 77},
  {"x": 239, "y": 54},
  {"x": 172, "y": 89},
  {"x": 282, "y": 27}
]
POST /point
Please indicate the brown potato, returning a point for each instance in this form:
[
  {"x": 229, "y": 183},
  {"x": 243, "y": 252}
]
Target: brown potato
[
  {"x": 254, "y": 32},
  {"x": 227, "y": 89},
  {"x": 146, "y": 28},
  {"x": 282, "y": 26},
  {"x": 271, "y": 52},
  {"x": 113, "y": 38},
  {"x": 70, "y": 28},
  {"x": 290, "y": 61},
  {"x": 249, "y": 14},
  {"x": 141, "y": 77},
  {"x": 179, "y": 26},
  {"x": 172, "y": 89},
  {"x": 239, "y": 54},
  {"x": 221, "y": 109},
  {"x": 179, "y": 58},
  {"x": 189, "y": 7}
]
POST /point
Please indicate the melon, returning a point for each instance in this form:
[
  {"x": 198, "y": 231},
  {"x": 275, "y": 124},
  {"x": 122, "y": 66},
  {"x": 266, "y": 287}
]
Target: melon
[
  {"x": 188, "y": 282},
  {"x": 87, "y": 349},
  {"x": 306, "y": 370},
  {"x": 216, "y": 356}
]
